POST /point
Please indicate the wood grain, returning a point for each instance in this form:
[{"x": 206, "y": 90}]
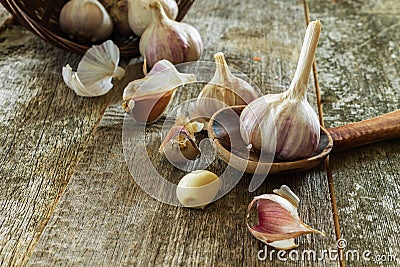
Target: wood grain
[
  {"x": 104, "y": 218},
  {"x": 44, "y": 128},
  {"x": 358, "y": 69}
]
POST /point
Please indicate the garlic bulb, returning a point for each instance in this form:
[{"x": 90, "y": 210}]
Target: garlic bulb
[
  {"x": 278, "y": 220},
  {"x": 224, "y": 87},
  {"x": 118, "y": 10},
  {"x": 167, "y": 39},
  {"x": 95, "y": 71},
  {"x": 147, "y": 98},
  {"x": 287, "y": 116},
  {"x": 140, "y": 17},
  {"x": 179, "y": 144},
  {"x": 86, "y": 19},
  {"x": 198, "y": 188}
]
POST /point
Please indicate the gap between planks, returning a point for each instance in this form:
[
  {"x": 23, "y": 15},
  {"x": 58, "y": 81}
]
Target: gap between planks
[{"x": 326, "y": 162}]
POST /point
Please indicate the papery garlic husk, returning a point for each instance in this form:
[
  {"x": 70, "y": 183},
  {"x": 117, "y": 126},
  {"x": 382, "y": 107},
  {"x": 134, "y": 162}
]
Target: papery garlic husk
[
  {"x": 95, "y": 71},
  {"x": 179, "y": 145},
  {"x": 225, "y": 87},
  {"x": 287, "y": 116},
  {"x": 198, "y": 188},
  {"x": 164, "y": 38},
  {"x": 278, "y": 220},
  {"x": 140, "y": 17},
  {"x": 147, "y": 98},
  {"x": 118, "y": 10},
  {"x": 86, "y": 20}
]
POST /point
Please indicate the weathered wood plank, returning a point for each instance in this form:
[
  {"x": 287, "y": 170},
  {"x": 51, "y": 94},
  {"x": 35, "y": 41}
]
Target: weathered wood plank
[
  {"x": 104, "y": 218},
  {"x": 44, "y": 128},
  {"x": 359, "y": 67}
]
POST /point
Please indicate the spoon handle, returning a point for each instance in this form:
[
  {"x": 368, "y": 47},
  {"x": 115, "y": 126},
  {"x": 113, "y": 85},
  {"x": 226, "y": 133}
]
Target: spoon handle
[{"x": 365, "y": 132}]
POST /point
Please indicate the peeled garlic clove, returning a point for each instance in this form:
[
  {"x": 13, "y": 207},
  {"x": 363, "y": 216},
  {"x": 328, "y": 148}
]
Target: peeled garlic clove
[
  {"x": 278, "y": 221},
  {"x": 287, "y": 116},
  {"x": 85, "y": 19},
  {"x": 140, "y": 17},
  {"x": 167, "y": 39},
  {"x": 198, "y": 188},
  {"x": 224, "y": 87},
  {"x": 147, "y": 98},
  {"x": 95, "y": 71}
]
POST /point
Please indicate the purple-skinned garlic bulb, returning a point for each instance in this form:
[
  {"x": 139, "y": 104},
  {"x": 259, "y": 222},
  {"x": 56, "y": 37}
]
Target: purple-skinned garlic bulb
[
  {"x": 164, "y": 38},
  {"x": 278, "y": 220},
  {"x": 285, "y": 123}
]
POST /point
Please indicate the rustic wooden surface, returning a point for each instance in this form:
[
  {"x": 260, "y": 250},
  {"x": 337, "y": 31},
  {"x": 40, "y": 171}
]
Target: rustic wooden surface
[
  {"x": 68, "y": 197},
  {"x": 358, "y": 66}
]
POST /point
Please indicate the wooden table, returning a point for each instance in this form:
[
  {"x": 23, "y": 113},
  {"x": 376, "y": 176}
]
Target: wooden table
[{"x": 68, "y": 199}]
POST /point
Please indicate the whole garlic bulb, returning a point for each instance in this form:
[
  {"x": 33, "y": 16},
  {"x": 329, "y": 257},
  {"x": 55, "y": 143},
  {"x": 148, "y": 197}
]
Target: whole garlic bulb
[
  {"x": 167, "y": 39},
  {"x": 139, "y": 13},
  {"x": 118, "y": 10},
  {"x": 287, "y": 116},
  {"x": 224, "y": 87},
  {"x": 86, "y": 19}
]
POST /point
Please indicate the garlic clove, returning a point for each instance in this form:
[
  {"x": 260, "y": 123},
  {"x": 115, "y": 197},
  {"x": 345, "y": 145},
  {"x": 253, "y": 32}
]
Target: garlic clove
[
  {"x": 226, "y": 88},
  {"x": 139, "y": 13},
  {"x": 179, "y": 145},
  {"x": 278, "y": 221},
  {"x": 198, "y": 188},
  {"x": 147, "y": 98},
  {"x": 164, "y": 38},
  {"x": 285, "y": 192},
  {"x": 85, "y": 19},
  {"x": 95, "y": 71},
  {"x": 287, "y": 117}
]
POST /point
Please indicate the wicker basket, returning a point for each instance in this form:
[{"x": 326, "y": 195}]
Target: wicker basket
[{"x": 41, "y": 17}]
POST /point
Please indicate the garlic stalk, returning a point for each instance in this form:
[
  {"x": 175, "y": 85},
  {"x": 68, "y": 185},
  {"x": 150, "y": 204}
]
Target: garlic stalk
[
  {"x": 278, "y": 220},
  {"x": 287, "y": 116},
  {"x": 224, "y": 87},
  {"x": 198, "y": 188},
  {"x": 179, "y": 145},
  {"x": 139, "y": 13},
  {"x": 147, "y": 98},
  {"x": 95, "y": 71},
  {"x": 164, "y": 38},
  {"x": 86, "y": 19},
  {"x": 118, "y": 10}
]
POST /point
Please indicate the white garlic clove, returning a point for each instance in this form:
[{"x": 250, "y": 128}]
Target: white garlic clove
[
  {"x": 86, "y": 19},
  {"x": 152, "y": 94},
  {"x": 198, "y": 188},
  {"x": 118, "y": 10},
  {"x": 225, "y": 88},
  {"x": 95, "y": 71},
  {"x": 164, "y": 38},
  {"x": 278, "y": 221},
  {"x": 139, "y": 13},
  {"x": 286, "y": 118}
]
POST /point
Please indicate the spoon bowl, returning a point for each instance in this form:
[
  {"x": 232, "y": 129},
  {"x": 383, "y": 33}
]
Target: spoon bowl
[{"x": 224, "y": 130}]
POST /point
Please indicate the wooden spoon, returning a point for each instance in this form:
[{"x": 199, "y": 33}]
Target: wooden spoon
[{"x": 224, "y": 129}]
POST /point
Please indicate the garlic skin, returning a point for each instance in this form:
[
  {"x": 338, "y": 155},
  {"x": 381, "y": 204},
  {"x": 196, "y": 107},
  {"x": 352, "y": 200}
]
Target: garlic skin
[
  {"x": 224, "y": 87},
  {"x": 139, "y": 14},
  {"x": 85, "y": 19},
  {"x": 278, "y": 220},
  {"x": 164, "y": 38},
  {"x": 118, "y": 10},
  {"x": 198, "y": 188},
  {"x": 287, "y": 116},
  {"x": 95, "y": 71},
  {"x": 147, "y": 98}
]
